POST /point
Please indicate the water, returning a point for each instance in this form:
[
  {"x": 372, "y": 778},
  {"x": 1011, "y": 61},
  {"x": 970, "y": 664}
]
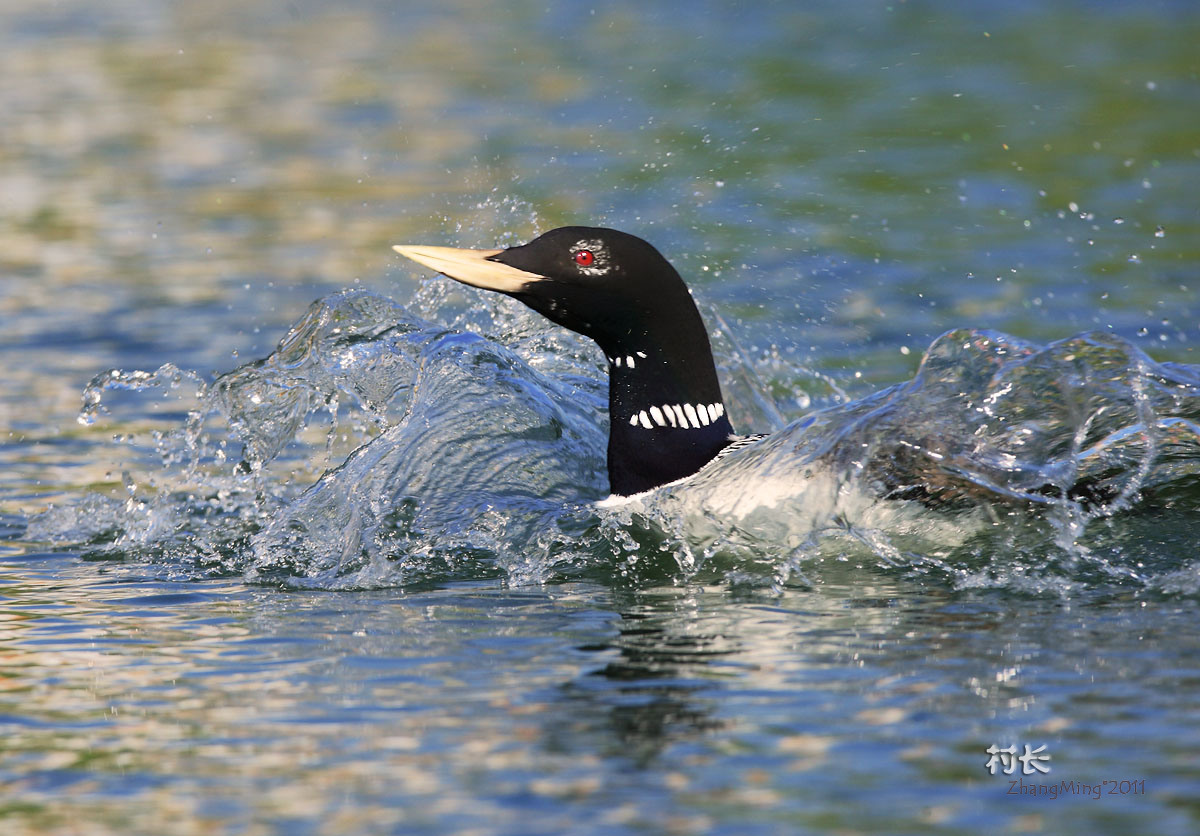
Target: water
[{"x": 338, "y": 567}]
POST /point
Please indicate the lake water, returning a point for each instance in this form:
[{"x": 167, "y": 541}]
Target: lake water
[{"x": 296, "y": 539}]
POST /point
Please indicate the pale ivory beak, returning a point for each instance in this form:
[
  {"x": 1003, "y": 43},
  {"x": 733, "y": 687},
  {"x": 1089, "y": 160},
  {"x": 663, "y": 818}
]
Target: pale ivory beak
[{"x": 471, "y": 267}]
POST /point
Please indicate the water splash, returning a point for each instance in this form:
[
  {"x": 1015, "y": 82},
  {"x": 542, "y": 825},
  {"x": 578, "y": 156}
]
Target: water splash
[
  {"x": 997, "y": 450},
  {"x": 375, "y": 447}
]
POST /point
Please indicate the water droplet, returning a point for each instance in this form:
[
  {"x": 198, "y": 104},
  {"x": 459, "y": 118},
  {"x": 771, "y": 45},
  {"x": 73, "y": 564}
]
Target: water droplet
[
  {"x": 1159, "y": 232},
  {"x": 1135, "y": 259},
  {"x": 1074, "y": 207},
  {"x": 1118, "y": 220}
]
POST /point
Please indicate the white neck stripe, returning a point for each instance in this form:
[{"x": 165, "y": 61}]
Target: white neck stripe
[
  {"x": 681, "y": 416},
  {"x": 627, "y": 360}
]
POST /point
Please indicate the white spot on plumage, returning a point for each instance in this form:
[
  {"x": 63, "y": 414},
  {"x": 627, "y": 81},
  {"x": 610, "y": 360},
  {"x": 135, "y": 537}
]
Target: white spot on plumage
[
  {"x": 633, "y": 421},
  {"x": 644, "y": 419},
  {"x": 690, "y": 411},
  {"x": 616, "y": 361},
  {"x": 629, "y": 361},
  {"x": 678, "y": 410},
  {"x": 670, "y": 415},
  {"x": 711, "y": 409},
  {"x": 702, "y": 414},
  {"x": 657, "y": 415},
  {"x": 641, "y": 354}
]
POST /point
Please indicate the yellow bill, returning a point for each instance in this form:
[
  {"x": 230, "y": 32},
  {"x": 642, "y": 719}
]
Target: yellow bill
[{"x": 471, "y": 267}]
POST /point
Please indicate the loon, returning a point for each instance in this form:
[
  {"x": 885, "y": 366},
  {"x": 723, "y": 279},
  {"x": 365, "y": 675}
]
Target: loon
[{"x": 667, "y": 416}]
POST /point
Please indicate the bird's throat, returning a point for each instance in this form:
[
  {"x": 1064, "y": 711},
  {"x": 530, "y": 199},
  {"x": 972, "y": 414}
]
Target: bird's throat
[{"x": 667, "y": 420}]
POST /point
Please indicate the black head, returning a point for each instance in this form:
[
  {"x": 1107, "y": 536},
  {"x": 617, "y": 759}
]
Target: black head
[
  {"x": 605, "y": 284},
  {"x": 666, "y": 413}
]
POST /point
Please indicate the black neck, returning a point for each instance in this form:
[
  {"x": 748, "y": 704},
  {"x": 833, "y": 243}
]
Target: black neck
[
  {"x": 665, "y": 409},
  {"x": 667, "y": 416}
]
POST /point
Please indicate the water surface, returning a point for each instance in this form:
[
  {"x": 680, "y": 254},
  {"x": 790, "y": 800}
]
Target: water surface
[{"x": 286, "y": 580}]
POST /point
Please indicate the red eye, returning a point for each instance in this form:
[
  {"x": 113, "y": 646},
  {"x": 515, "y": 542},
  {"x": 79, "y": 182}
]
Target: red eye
[{"x": 585, "y": 258}]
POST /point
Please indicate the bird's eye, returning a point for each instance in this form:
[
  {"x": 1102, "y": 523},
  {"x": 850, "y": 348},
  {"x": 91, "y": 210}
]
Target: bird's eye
[{"x": 585, "y": 258}]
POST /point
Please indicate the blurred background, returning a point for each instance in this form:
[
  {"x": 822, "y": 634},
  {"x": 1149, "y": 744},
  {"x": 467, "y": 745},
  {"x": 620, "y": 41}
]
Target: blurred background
[{"x": 179, "y": 180}]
